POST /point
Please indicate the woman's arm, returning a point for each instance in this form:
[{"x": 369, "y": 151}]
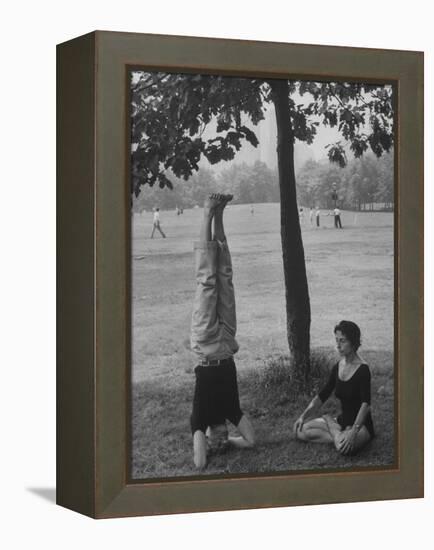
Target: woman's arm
[
  {"x": 361, "y": 416},
  {"x": 318, "y": 400},
  {"x": 351, "y": 435},
  {"x": 312, "y": 408}
]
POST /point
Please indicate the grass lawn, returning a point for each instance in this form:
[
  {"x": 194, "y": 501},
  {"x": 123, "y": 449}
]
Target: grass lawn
[{"x": 350, "y": 274}]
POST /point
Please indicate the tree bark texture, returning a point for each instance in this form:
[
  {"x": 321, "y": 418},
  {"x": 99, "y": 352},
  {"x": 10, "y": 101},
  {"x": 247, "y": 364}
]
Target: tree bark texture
[{"x": 298, "y": 316}]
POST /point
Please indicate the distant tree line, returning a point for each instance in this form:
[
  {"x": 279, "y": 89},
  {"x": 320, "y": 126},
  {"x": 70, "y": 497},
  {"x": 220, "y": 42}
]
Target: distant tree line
[
  {"x": 363, "y": 184},
  {"x": 248, "y": 183}
]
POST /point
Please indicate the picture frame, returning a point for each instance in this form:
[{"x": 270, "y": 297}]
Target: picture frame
[{"x": 93, "y": 228}]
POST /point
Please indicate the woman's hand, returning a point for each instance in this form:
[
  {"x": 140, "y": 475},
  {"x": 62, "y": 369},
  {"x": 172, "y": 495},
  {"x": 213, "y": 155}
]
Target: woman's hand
[
  {"x": 348, "y": 440},
  {"x": 298, "y": 425}
]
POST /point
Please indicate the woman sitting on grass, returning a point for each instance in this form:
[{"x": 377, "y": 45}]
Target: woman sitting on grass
[
  {"x": 213, "y": 341},
  {"x": 350, "y": 378}
]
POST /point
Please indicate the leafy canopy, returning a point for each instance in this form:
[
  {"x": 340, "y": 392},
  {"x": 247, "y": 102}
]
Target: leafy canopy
[{"x": 176, "y": 119}]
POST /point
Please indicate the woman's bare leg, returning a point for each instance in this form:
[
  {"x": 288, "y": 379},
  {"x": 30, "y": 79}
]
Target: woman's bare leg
[
  {"x": 335, "y": 430},
  {"x": 362, "y": 438},
  {"x": 339, "y": 435},
  {"x": 315, "y": 431},
  {"x": 327, "y": 430}
]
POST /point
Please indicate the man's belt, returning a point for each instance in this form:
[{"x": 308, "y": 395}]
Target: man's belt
[{"x": 214, "y": 362}]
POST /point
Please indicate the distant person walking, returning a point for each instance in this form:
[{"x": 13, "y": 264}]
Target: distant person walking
[
  {"x": 301, "y": 215},
  {"x": 337, "y": 214},
  {"x": 156, "y": 224},
  {"x": 311, "y": 216},
  {"x": 317, "y": 216}
]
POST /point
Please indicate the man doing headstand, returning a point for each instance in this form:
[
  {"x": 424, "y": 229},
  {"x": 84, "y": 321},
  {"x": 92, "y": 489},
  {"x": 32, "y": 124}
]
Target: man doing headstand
[{"x": 213, "y": 339}]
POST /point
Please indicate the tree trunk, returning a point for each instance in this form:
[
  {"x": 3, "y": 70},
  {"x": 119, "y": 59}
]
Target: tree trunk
[{"x": 294, "y": 267}]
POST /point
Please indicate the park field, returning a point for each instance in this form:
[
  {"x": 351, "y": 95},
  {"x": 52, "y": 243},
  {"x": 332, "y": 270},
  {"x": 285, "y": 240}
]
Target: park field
[{"x": 350, "y": 276}]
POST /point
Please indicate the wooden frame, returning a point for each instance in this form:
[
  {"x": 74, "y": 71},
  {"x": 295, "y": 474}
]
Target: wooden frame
[{"x": 93, "y": 226}]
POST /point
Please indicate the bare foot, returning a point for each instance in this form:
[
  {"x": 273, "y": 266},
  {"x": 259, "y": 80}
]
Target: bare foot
[
  {"x": 224, "y": 199},
  {"x": 333, "y": 427},
  {"x": 212, "y": 202},
  {"x": 227, "y": 198}
]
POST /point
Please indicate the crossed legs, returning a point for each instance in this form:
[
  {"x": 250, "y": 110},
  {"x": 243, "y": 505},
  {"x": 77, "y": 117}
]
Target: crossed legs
[
  {"x": 325, "y": 429},
  {"x": 315, "y": 431}
]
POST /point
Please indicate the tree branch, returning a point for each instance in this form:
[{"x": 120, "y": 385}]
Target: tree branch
[
  {"x": 359, "y": 96},
  {"x": 332, "y": 93}
]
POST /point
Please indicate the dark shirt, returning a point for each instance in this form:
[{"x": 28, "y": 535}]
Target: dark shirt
[
  {"x": 351, "y": 393},
  {"x": 215, "y": 396}
]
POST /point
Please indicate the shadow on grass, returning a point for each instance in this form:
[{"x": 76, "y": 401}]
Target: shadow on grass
[{"x": 162, "y": 442}]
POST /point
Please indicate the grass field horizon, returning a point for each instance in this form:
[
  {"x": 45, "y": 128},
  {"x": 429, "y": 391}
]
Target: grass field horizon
[{"x": 350, "y": 276}]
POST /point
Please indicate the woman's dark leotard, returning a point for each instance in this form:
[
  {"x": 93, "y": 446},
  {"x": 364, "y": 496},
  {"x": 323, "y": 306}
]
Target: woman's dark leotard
[{"x": 351, "y": 393}]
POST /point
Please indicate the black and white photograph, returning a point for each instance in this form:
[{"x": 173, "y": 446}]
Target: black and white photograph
[{"x": 262, "y": 275}]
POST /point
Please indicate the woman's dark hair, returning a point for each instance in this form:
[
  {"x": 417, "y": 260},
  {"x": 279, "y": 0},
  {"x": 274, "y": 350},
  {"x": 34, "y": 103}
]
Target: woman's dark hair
[{"x": 351, "y": 331}]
